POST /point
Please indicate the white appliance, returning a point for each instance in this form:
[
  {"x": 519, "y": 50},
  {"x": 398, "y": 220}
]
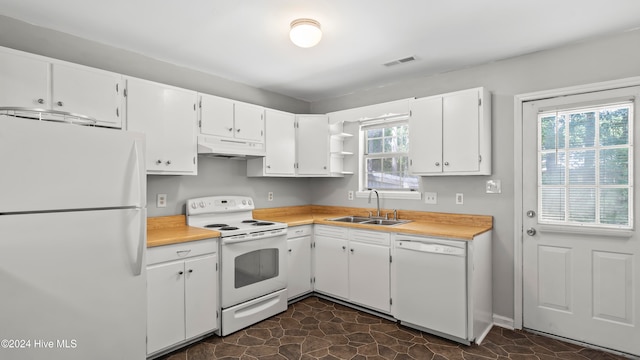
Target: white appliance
[
  {"x": 252, "y": 253},
  {"x": 72, "y": 242},
  {"x": 431, "y": 286}
]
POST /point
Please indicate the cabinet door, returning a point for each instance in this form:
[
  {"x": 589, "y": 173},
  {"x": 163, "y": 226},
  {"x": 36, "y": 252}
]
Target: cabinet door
[
  {"x": 201, "y": 295},
  {"x": 460, "y": 131},
  {"x": 168, "y": 118},
  {"x": 24, "y": 81},
  {"x": 90, "y": 92},
  {"x": 369, "y": 273},
  {"x": 280, "y": 143},
  {"x": 313, "y": 144},
  {"x": 299, "y": 266},
  {"x": 332, "y": 266},
  {"x": 425, "y": 135},
  {"x": 165, "y": 305},
  {"x": 249, "y": 122},
  {"x": 180, "y": 118},
  {"x": 216, "y": 116}
]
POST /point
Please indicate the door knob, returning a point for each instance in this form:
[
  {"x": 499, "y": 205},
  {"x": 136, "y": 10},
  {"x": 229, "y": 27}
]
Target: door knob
[
  {"x": 531, "y": 231},
  {"x": 531, "y": 213}
]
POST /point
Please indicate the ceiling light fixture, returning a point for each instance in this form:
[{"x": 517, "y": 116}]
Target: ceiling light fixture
[{"x": 305, "y": 33}]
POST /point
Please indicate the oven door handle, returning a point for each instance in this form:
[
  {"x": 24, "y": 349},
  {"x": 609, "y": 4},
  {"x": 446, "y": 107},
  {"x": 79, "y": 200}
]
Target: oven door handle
[{"x": 233, "y": 240}]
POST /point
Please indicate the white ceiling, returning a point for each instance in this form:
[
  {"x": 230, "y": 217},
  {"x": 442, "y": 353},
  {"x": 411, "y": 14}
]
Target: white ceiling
[{"x": 247, "y": 40}]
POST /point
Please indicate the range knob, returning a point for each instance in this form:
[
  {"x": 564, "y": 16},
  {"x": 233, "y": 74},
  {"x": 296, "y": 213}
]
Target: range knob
[
  {"x": 194, "y": 205},
  {"x": 250, "y": 202},
  {"x": 201, "y": 204},
  {"x": 244, "y": 202}
]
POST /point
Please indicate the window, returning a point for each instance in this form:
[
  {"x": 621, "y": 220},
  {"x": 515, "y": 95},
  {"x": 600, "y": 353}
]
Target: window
[
  {"x": 385, "y": 159},
  {"x": 585, "y": 166}
]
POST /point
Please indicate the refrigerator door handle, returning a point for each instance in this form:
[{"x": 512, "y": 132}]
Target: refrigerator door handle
[
  {"x": 142, "y": 237},
  {"x": 139, "y": 175}
]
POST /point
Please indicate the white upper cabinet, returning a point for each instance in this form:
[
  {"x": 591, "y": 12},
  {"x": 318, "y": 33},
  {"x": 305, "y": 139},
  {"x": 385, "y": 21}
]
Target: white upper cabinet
[
  {"x": 167, "y": 115},
  {"x": 231, "y": 127},
  {"x": 450, "y": 134},
  {"x": 30, "y": 81},
  {"x": 281, "y": 145},
  {"x": 87, "y": 91},
  {"x": 313, "y": 145},
  {"x": 25, "y": 81}
]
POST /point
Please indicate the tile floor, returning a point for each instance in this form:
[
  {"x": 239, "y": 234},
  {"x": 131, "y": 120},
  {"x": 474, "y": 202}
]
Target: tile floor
[{"x": 319, "y": 329}]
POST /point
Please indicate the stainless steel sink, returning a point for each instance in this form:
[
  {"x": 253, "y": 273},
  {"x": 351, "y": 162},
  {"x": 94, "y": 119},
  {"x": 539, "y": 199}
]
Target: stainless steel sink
[
  {"x": 385, "y": 222},
  {"x": 351, "y": 219},
  {"x": 368, "y": 220}
]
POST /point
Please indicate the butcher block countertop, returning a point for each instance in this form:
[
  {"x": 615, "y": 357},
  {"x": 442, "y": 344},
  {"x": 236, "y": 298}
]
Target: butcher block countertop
[
  {"x": 166, "y": 230},
  {"x": 455, "y": 226}
]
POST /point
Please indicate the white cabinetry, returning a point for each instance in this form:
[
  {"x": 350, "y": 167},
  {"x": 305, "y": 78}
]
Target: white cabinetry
[
  {"x": 312, "y": 133},
  {"x": 331, "y": 261},
  {"x": 353, "y": 265},
  {"x": 31, "y": 81},
  {"x": 167, "y": 115},
  {"x": 182, "y": 293},
  {"x": 369, "y": 269},
  {"x": 299, "y": 261},
  {"x": 280, "y": 141},
  {"x": 450, "y": 134},
  {"x": 297, "y": 145},
  {"x": 231, "y": 127}
]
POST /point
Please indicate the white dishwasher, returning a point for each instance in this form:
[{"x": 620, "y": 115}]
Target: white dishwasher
[{"x": 431, "y": 285}]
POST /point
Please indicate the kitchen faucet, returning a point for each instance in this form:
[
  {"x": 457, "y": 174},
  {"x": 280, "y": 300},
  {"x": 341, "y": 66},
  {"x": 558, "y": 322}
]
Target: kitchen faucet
[{"x": 377, "y": 198}]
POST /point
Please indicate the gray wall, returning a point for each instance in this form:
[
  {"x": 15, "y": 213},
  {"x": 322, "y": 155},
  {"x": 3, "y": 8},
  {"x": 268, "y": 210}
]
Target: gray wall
[{"x": 598, "y": 60}]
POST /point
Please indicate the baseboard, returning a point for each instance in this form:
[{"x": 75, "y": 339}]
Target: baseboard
[{"x": 503, "y": 322}]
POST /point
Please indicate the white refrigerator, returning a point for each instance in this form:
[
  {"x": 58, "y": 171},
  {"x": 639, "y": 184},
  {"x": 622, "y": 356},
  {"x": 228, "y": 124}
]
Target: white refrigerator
[{"x": 72, "y": 242}]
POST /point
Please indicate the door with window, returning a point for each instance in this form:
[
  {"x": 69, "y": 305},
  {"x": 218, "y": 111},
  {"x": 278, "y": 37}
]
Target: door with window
[{"x": 581, "y": 250}]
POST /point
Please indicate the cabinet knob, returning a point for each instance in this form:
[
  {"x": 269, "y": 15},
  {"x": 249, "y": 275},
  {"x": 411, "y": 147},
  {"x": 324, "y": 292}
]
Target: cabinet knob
[
  {"x": 352, "y": 251},
  {"x": 289, "y": 250},
  {"x": 158, "y": 162},
  {"x": 437, "y": 164},
  {"x": 40, "y": 101},
  {"x": 60, "y": 103},
  {"x": 190, "y": 271},
  {"x": 324, "y": 167},
  {"x": 230, "y": 129},
  {"x": 168, "y": 162},
  {"x": 237, "y": 130},
  {"x": 180, "y": 272},
  {"x": 268, "y": 166},
  {"x": 344, "y": 248},
  {"x": 446, "y": 163}
]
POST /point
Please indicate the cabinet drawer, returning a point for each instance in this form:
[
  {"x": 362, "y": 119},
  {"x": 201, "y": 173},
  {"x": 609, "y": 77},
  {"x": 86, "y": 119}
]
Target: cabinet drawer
[
  {"x": 180, "y": 251},
  {"x": 298, "y": 231},
  {"x": 332, "y": 231},
  {"x": 371, "y": 237}
]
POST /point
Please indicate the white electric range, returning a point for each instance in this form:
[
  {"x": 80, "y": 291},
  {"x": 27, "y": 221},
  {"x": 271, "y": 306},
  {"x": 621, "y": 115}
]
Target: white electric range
[{"x": 253, "y": 277}]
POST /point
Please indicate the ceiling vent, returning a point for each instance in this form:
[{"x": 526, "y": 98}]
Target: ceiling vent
[{"x": 400, "y": 61}]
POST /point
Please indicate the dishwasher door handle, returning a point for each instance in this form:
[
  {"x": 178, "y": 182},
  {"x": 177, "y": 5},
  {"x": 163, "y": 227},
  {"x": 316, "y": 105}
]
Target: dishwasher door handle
[{"x": 433, "y": 248}]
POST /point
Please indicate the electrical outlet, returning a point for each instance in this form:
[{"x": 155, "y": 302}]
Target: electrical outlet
[
  {"x": 161, "y": 200},
  {"x": 270, "y": 196},
  {"x": 459, "y": 198},
  {"x": 430, "y": 198},
  {"x": 350, "y": 195}
]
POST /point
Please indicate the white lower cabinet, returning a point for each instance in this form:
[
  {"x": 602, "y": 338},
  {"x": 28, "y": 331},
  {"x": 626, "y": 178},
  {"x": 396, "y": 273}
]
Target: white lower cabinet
[
  {"x": 353, "y": 265},
  {"x": 182, "y": 293},
  {"x": 298, "y": 261}
]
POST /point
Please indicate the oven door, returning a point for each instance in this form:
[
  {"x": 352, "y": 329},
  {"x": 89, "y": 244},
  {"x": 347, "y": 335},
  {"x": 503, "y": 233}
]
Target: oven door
[{"x": 252, "y": 268}]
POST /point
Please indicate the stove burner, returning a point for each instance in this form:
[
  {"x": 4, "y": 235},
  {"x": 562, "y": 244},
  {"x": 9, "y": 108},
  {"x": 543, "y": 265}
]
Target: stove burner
[
  {"x": 215, "y": 225},
  {"x": 249, "y": 221},
  {"x": 262, "y": 223},
  {"x": 228, "y": 228}
]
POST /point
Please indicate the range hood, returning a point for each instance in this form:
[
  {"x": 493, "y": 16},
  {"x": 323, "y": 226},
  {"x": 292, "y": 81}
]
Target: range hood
[
  {"x": 215, "y": 146},
  {"x": 47, "y": 115}
]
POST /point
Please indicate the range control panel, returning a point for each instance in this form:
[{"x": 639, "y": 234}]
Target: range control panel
[{"x": 219, "y": 204}]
